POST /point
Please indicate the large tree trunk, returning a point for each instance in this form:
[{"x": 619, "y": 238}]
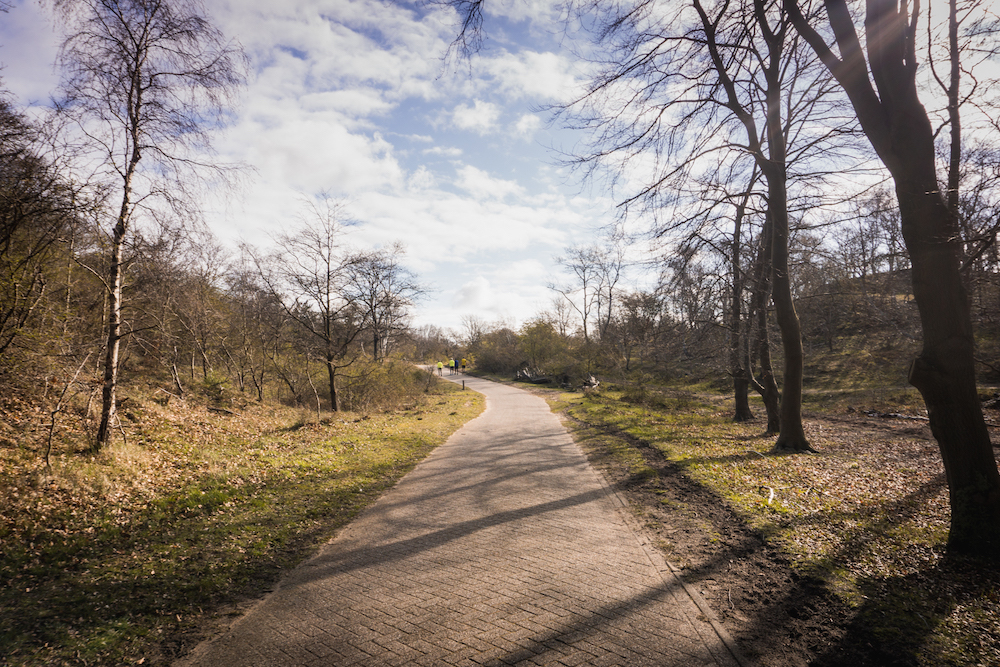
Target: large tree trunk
[
  {"x": 944, "y": 373},
  {"x": 898, "y": 127},
  {"x": 791, "y": 436}
]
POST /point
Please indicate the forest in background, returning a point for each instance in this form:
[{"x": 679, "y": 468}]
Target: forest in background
[{"x": 767, "y": 219}]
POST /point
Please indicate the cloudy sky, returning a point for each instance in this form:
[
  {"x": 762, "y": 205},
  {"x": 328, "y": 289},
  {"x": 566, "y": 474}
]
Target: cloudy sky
[{"x": 354, "y": 97}]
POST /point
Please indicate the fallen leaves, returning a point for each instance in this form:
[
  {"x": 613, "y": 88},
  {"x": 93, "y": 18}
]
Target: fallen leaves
[
  {"x": 868, "y": 514},
  {"x": 108, "y": 555}
]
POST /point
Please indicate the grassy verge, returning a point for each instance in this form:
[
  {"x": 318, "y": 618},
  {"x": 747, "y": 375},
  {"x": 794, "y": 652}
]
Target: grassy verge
[
  {"x": 867, "y": 516},
  {"x": 125, "y": 557}
]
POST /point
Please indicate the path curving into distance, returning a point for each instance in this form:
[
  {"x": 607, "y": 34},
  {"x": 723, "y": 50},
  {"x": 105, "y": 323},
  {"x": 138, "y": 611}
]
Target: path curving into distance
[{"x": 504, "y": 547}]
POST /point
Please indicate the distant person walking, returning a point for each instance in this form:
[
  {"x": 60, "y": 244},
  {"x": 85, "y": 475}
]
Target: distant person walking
[
  {"x": 440, "y": 368},
  {"x": 451, "y": 367},
  {"x": 463, "y": 365}
]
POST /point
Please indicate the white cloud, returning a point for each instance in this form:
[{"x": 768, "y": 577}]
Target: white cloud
[
  {"x": 29, "y": 41},
  {"x": 444, "y": 151},
  {"x": 533, "y": 11},
  {"x": 357, "y": 103},
  {"x": 480, "y": 118},
  {"x": 542, "y": 76},
  {"x": 527, "y": 125},
  {"x": 477, "y": 294},
  {"x": 421, "y": 179},
  {"x": 481, "y": 185}
]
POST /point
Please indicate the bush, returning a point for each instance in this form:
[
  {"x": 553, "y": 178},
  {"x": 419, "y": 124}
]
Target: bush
[{"x": 372, "y": 387}]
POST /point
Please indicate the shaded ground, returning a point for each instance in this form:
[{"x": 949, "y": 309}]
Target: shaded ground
[{"x": 782, "y": 617}]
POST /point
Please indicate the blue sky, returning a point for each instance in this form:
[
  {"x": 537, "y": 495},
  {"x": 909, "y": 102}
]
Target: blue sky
[{"x": 354, "y": 97}]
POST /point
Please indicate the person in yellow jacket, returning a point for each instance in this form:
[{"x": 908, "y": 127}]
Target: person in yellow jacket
[
  {"x": 440, "y": 368},
  {"x": 463, "y": 365}
]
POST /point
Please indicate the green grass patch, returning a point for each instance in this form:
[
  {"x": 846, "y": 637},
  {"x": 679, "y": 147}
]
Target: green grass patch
[
  {"x": 868, "y": 515},
  {"x": 113, "y": 559}
]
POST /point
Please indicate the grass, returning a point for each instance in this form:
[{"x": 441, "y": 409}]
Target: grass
[
  {"x": 127, "y": 557},
  {"x": 868, "y": 515}
]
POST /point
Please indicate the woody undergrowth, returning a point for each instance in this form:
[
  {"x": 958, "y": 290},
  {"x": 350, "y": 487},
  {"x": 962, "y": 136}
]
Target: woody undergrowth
[
  {"x": 122, "y": 558},
  {"x": 867, "y": 515}
]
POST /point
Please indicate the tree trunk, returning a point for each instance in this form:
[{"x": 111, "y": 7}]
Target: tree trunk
[
  {"x": 114, "y": 336},
  {"x": 115, "y": 279},
  {"x": 944, "y": 373},
  {"x": 741, "y": 394},
  {"x": 766, "y": 385},
  {"x": 899, "y": 129},
  {"x": 331, "y": 371},
  {"x": 791, "y": 436},
  {"x": 738, "y": 328}
]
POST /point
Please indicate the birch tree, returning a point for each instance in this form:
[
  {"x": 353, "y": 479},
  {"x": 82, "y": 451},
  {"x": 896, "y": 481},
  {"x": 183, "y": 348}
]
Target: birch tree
[{"x": 145, "y": 82}]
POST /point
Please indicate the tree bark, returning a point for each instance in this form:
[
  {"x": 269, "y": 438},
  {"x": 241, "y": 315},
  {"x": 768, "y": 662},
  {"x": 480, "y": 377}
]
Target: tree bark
[
  {"x": 791, "y": 435},
  {"x": 331, "y": 371},
  {"x": 899, "y": 129},
  {"x": 738, "y": 325},
  {"x": 110, "y": 387},
  {"x": 766, "y": 385},
  {"x": 944, "y": 372}
]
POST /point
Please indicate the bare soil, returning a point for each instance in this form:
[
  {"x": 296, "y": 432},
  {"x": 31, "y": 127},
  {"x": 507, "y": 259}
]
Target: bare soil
[{"x": 777, "y": 616}]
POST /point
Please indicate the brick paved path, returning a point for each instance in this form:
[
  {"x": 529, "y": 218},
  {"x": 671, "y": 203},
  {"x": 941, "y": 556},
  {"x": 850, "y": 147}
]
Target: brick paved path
[{"x": 503, "y": 548}]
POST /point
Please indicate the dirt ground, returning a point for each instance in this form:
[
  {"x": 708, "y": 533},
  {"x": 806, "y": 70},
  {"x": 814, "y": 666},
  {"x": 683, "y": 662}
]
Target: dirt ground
[{"x": 777, "y": 617}]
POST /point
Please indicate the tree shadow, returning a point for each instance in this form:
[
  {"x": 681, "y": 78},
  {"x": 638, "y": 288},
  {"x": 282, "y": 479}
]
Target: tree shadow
[
  {"x": 794, "y": 616},
  {"x": 895, "y": 624}
]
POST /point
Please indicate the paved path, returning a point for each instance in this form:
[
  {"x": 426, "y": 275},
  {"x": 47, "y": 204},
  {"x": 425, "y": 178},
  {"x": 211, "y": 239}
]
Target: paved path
[{"x": 504, "y": 547}]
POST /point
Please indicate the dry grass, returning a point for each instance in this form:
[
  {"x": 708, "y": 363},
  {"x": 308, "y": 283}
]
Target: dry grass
[
  {"x": 868, "y": 515},
  {"x": 129, "y": 555}
]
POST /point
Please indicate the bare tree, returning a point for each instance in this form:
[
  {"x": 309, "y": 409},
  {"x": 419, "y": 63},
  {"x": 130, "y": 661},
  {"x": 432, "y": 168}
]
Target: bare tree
[
  {"x": 635, "y": 326},
  {"x": 145, "y": 82},
  {"x": 475, "y": 328},
  {"x": 698, "y": 100},
  {"x": 384, "y": 290},
  {"x": 611, "y": 265},
  {"x": 582, "y": 294},
  {"x": 880, "y": 79},
  {"x": 310, "y": 271}
]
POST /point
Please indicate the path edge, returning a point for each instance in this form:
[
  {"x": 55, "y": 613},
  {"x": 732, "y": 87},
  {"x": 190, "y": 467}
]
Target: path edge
[{"x": 663, "y": 566}]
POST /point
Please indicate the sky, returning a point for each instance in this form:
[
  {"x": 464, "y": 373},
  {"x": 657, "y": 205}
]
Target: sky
[{"x": 452, "y": 158}]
